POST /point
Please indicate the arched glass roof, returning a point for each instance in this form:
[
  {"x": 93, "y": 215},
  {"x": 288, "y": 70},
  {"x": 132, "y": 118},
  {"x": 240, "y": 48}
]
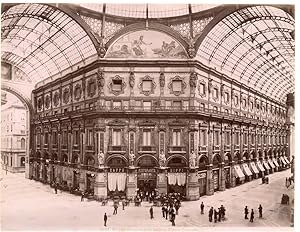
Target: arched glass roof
[
  {"x": 42, "y": 40},
  {"x": 256, "y": 46},
  {"x": 154, "y": 10}
]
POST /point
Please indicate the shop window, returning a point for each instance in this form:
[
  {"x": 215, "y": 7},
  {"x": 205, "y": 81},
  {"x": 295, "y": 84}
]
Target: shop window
[
  {"x": 176, "y": 137},
  {"x": 146, "y": 137},
  {"x": 22, "y": 161},
  {"x": 116, "y": 138}
]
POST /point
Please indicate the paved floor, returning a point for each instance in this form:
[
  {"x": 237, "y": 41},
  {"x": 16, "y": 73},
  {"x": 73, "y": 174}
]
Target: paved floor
[{"x": 30, "y": 205}]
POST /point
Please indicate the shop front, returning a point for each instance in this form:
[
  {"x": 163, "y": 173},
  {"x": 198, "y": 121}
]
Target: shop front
[
  {"x": 202, "y": 175},
  {"x": 227, "y": 170},
  {"x": 260, "y": 168},
  {"x": 271, "y": 164},
  {"x": 90, "y": 183},
  {"x": 216, "y": 172},
  {"x": 177, "y": 175},
  {"x": 76, "y": 179},
  {"x": 275, "y": 163},
  {"x": 254, "y": 170},
  {"x": 247, "y": 172},
  {"x": 239, "y": 175}
]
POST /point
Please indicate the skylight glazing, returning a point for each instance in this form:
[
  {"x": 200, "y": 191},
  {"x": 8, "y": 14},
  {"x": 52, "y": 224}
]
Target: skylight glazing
[
  {"x": 255, "y": 46},
  {"x": 42, "y": 41}
]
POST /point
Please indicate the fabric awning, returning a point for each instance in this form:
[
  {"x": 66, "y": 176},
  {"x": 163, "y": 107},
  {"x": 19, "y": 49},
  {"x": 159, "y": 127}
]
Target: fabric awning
[
  {"x": 282, "y": 160},
  {"x": 266, "y": 165},
  {"x": 286, "y": 159},
  {"x": 253, "y": 167},
  {"x": 271, "y": 163},
  {"x": 275, "y": 162},
  {"x": 239, "y": 172},
  {"x": 260, "y": 167},
  {"x": 177, "y": 178},
  {"x": 246, "y": 169}
]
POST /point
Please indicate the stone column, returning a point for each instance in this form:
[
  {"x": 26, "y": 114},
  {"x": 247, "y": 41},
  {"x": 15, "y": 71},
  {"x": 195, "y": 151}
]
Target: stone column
[
  {"x": 232, "y": 175},
  {"x": 222, "y": 186},
  {"x": 100, "y": 187},
  {"x": 192, "y": 185},
  {"x": 162, "y": 181},
  {"x": 210, "y": 181},
  {"x": 131, "y": 183}
]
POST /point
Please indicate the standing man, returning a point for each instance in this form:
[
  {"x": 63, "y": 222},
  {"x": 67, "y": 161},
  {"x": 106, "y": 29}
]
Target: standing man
[
  {"x": 151, "y": 212},
  {"x": 260, "y": 211},
  {"x": 176, "y": 207},
  {"x": 219, "y": 214},
  {"x": 215, "y": 215},
  {"x": 163, "y": 211},
  {"x": 246, "y": 212},
  {"x": 82, "y": 196},
  {"x": 210, "y": 214},
  {"x": 252, "y": 216},
  {"x": 202, "y": 207},
  {"x": 115, "y": 208},
  {"x": 123, "y": 204},
  {"x": 105, "y": 219},
  {"x": 166, "y": 212},
  {"x": 173, "y": 219},
  {"x": 55, "y": 187}
]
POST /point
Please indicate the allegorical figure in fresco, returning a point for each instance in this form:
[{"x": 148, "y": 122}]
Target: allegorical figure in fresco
[
  {"x": 131, "y": 158},
  {"x": 139, "y": 46},
  {"x": 162, "y": 159},
  {"x": 101, "y": 158},
  {"x": 192, "y": 159}
]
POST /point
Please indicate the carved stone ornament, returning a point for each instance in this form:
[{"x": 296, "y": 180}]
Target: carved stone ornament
[
  {"x": 40, "y": 104},
  {"x": 56, "y": 99},
  {"x": 100, "y": 79},
  {"x": 162, "y": 79},
  {"x": 193, "y": 79},
  {"x": 131, "y": 158},
  {"x": 191, "y": 50},
  {"x": 222, "y": 90},
  {"x": 131, "y": 80},
  {"x": 209, "y": 85},
  {"x": 77, "y": 92},
  {"x": 47, "y": 101},
  {"x": 66, "y": 95},
  {"x": 162, "y": 159}
]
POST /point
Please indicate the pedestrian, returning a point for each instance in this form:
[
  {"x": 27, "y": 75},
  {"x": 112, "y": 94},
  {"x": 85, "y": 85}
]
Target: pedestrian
[
  {"x": 163, "y": 211},
  {"x": 202, "y": 207},
  {"x": 170, "y": 212},
  {"x": 260, "y": 211},
  {"x": 246, "y": 212},
  {"x": 176, "y": 208},
  {"x": 215, "y": 215},
  {"x": 115, "y": 208},
  {"x": 219, "y": 214},
  {"x": 105, "y": 219},
  {"x": 210, "y": 214},
  {"x": 166, "y": 212},
  {"x": 223, "y": 212},
  {"x": 252, "y": 216},
  {"x": 173, "y": 219},
  {"x": 123, "y": 204},
  {"x": 55, "y": 188},
  {"x": 82, "y": 196},
  {"x": 151, "y": 212}
]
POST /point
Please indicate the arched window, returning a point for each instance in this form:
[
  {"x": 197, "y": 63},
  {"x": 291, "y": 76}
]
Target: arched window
[{"x": 203, "y": 162}]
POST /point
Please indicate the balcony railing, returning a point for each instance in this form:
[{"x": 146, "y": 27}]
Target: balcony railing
[
  {"x": 117, "y": 148},
  {"x": 177, "y": 149},
  {"x": 147, "y": 148},
  {"x": 202, "y": 148},
  {"x": 216, "y": 147}
]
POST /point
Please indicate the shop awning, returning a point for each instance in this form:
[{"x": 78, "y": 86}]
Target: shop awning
[
  {"x": 239, "y": 172},
  {"x": 286, "y": 159},
  {"x": 260, "y": 167},
  {"x": 275, "y": 162},
  {"x": 253, "y": 167},
  {"x": 283, "y": 160},
  {"x": 266, "y": 165},
  {"x": 271, "y": 163},
  {"x": 246, "y": 169}
]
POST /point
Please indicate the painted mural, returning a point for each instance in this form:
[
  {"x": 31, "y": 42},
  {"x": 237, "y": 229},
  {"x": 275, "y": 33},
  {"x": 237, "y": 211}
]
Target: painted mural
[{"x": 146, "y": 44}]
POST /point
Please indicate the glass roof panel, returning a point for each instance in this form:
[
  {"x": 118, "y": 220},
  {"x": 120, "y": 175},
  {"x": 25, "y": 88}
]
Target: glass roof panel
[
  {"x": 250, "y": 43},
  {"x": 42, "y": 40}
]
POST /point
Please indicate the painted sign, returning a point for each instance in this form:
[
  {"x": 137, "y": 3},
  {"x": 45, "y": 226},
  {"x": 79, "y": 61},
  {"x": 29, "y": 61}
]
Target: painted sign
[{"x": 146, "y": 44}]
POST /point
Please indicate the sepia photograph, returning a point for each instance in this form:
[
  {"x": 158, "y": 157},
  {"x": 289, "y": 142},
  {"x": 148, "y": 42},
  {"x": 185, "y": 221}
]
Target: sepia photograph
[{"x": 137, "y": 116}]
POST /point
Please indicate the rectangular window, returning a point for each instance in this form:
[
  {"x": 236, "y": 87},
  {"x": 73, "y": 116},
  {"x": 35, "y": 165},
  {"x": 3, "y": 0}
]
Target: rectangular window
[
  {"x": 251, "y": 105},
  {"x": 38, "y": 139},
  {"x": 176, "y": 137},
  {"x": 54, "y": 137},
  {"x": 226, "y": 96},
  {"x": 117, "y": 85},
  {"x": 216, "y": 138},
  {"x": 252, "y": 139},
  {"x": 117, "y": 104},
  {"x": 203, "y": 138},
  {"x": 177, "y": 85},
  {"x": 147, "y": 105},
  {"x": 76, "y": 137},
  {"x": 147, "y": 85},
  {"x": 215, "y": 93},
  {"x": 236, "y": 100},
  {"x": 65, "y": 137},
  {"x": 245, "y": 138},
  {"x": 227, "y": 138},
  {"x": 236, "y": 138},
  {"x": 244, "y": 103},
  {"x": 202, "y": 89},
  {"x": 46, "y": 138},
  {"x": 146, "y": 137},
  {"x": 116, "y": 138},
  {"x": 258, "y": 139},
  {"x": 90, "y": 137}
]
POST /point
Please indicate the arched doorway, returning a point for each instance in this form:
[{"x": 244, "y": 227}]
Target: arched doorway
[
  {"x": 147, "y": 175},
  {"x": 177, "y": 175},
  {"x": 216, "y": 172},
  {"x": 202, "y": 175},
  {"x": 116, "y": 176}
]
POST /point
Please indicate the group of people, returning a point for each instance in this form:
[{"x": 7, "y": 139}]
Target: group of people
[
  {"x": 246, "y": 211},
  {"x": 289, "y": 181},
  {"x": 169, "y": 211},
  {"x": 145, "y": 196},
  {"x": 217, "y": 214}
]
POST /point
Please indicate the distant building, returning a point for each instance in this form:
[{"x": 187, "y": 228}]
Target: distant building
[{"x": 13, "y": 137}]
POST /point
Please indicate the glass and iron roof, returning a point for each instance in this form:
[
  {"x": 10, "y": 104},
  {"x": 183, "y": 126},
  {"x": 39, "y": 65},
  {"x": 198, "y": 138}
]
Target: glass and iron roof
[
  {"x": 42, "y": 40},
  {"x": 254, "y": 45},
  {"x": 153, "y": 10}
]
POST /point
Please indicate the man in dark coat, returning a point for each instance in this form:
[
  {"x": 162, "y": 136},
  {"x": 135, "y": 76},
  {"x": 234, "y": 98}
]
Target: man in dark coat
[
  {"x": 55, "y": 188},
  {"x": 246, "y": 212},
  {"x": 222, "y": 212},
  {"x": 82, "y": 196},
  {"x": 219, "y": 214},
  {"x": 210, "y": 214},
  {"x": 215, "y": 215},
  {"x": 252, "y": 216},
  {"x": 176, "y": 208},
  {"x": 115, "y": 208},
  {"x": 163, "y": 211},
  {"x": 105, "y": 219},
  {"x": 166, "y": 212},
  {"x": 260, "y": 211},
  {"x": 151, "y": 212},
  {"x": 173, "y": 219},
  {"x": 202, "y": 207}
]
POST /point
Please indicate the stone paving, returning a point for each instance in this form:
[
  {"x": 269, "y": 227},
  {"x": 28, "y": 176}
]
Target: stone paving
[{"x": 30, "y": 205}]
